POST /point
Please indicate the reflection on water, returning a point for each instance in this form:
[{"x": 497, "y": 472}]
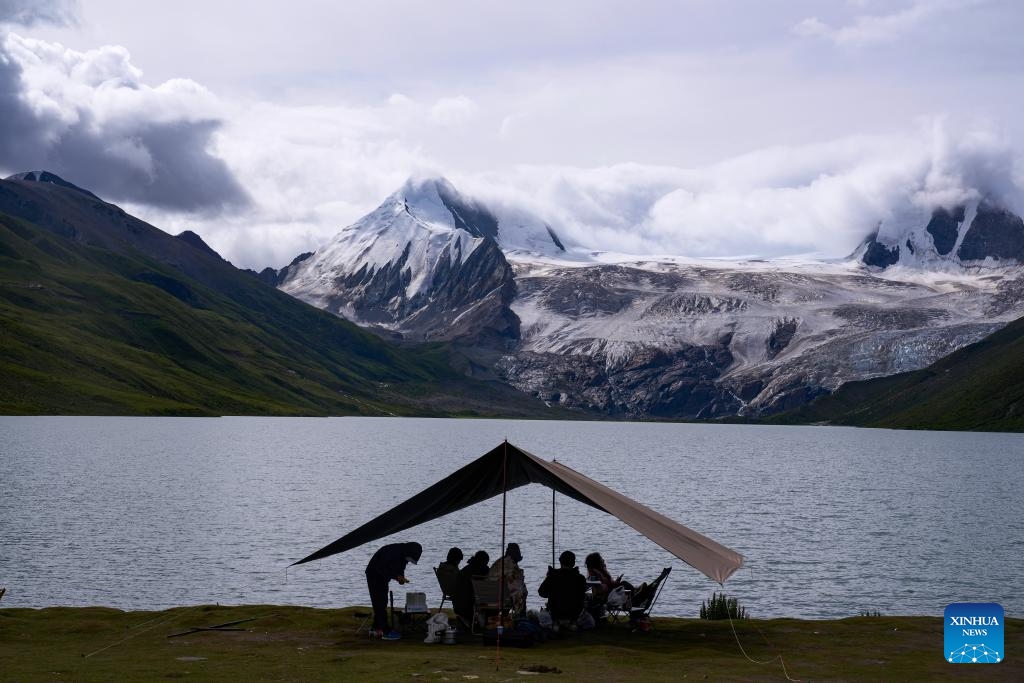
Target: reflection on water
[{"x": 156, "y": 512}]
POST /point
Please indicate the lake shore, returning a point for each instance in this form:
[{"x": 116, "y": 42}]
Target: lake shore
[{"x": 287, "y": 643}]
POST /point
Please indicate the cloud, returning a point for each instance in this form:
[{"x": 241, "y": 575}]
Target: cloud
[
  {"x": 314, "y": 170},
  {"x": 543, "y": 118},
  {"x": 88, "y": 116},
  {"x": 33, "y": 12},
  {"x": 869, "y": 29},
  {"x": 820, "y": 198},
  {"x": 453, "y": 111}
]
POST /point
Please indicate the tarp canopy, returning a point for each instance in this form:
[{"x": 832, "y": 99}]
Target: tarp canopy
[{"x": 507, "y": 467}]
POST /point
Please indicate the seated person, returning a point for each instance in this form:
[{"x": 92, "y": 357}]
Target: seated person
[
  {"x": 515, "y": 580},
  {"x": 564, "y": 588},
  {"x": 448, "y": 570},
  {"x": 464, "y": 598},
  {"x": 601, "y": 581}
]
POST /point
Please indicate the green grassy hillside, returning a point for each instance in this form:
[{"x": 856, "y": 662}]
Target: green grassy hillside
[
  {"x": 103, "y": 314},
  {"x": 979, "y": 387}
]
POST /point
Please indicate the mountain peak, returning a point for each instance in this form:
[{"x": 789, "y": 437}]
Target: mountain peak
[
  {"x": 48, "y": 177},
  {"x": 194, "y": 240},
  {"x": 977, "y": 233}
]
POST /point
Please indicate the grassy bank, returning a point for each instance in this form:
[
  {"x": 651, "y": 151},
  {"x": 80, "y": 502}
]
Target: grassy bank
[{"x": 304, "y": 644}]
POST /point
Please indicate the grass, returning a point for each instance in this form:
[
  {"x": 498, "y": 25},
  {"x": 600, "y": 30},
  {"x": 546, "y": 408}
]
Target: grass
[
  {"x": 305, "y": 644},
  {"x": 86, "y": 330},
  {"x": 979, "y": 387}
]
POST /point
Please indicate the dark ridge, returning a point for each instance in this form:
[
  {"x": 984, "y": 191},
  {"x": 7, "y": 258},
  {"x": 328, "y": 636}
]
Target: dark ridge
[
  {"x": 554, "y": 237},
  {"x": 944, "y": 227},
  {"x": 286, "y": 272},
  {"x": 995, "y": 233},
  {"x": 193, "y": 240},
  {"x": 781, "y": 336},
  {"x": 469, "y": 215},
  {"x": 47, "y": 177},
  {"x": 879, "y": 255}
]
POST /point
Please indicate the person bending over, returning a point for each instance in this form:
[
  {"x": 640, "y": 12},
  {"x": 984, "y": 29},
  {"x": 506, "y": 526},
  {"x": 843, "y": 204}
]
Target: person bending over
[{"x": 388, "y": 564}]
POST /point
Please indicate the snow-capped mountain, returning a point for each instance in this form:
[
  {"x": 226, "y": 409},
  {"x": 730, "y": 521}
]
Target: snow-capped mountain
[
  {"x": 979, "y": 233},
  {"x": 667, "y": 336},
  {"x": 428, "y": 264}
]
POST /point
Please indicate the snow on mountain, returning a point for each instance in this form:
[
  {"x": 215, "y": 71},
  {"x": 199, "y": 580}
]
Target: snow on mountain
[
  {"x": 667, "y": 336},
  {"x": 427, "y": 264},
  {"x": 704, "y": 339},
  {"x": 975, "y": 234}
]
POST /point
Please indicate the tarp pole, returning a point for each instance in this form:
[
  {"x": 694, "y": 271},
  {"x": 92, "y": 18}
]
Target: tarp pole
[
  {"x": 552, "y": 527},
  {"x": 501, "y": 581}
]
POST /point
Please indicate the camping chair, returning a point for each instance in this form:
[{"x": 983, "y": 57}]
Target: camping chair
[
  {"x": 618, "y": 610},
  {"x": 364, "y": 619},
  {"x": 446, "y": 581},
  {"x": 415, "y": 612},
  {"x": 645, "y": 597},
  {"x": 485, "y": 601}
]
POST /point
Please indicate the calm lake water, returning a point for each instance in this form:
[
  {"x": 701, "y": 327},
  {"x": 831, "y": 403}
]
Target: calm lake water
[{"x": 142, "y": 513}]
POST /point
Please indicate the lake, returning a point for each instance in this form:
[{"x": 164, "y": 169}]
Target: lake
[{"x": 146, "y": 513}]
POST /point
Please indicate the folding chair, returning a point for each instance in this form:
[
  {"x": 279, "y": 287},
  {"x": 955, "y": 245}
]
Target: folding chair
[
  {"x": 486, "y": 601},
  {"x": 415, "y": 612},
  {"x": 619, "y": 610},
  {"x": 645, "y": 597},
  {"x": 446, "y": 581},
  {"x": 364, "y": 619}
]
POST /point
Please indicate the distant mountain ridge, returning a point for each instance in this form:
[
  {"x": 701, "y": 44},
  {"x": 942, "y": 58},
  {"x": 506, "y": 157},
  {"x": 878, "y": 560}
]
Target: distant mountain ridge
[
  {"x": 977, "y": 234},
  {"x": 978, "y": 387},
  {"x": 668, "y": 336},
  {"x": 102, "y": 313}
]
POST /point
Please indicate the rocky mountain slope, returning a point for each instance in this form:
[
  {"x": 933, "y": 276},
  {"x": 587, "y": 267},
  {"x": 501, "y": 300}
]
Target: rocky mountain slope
[
  {"x": 979, "y": 387},
  {"x": 428, "y": 264},
  {"x": 668, "y": 336},
  {"x": 101, "y": 313}
]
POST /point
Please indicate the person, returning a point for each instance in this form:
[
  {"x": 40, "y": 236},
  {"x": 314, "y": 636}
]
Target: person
[
  {"x": 388, "y": 564},
  {"x": 564, "y": 588},
  {"x": 515, "y": 580},
  {"x": 601, "y": 584},
  {"x": 464, "y": 598},
  {"x": 448, "y": 570},
  {"x": 601, "y": 581}
]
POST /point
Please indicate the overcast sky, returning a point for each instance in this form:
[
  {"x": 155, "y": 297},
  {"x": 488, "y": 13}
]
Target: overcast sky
[{"x": 710, "y": 127}]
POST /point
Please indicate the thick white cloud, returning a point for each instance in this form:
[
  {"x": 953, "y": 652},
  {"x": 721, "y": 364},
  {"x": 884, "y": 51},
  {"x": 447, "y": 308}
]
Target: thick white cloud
[
  {"x": 89, "y": 116},
  {"x": 628, "y": 126},
  {"x": 822, "y": 198}
]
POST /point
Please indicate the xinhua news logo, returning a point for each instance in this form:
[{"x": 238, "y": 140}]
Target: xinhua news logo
[{"x": 974, "y": 633}]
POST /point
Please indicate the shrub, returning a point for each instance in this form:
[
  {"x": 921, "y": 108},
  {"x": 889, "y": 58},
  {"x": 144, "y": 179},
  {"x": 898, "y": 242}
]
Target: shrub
[{"x": 722, "y": 607}]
